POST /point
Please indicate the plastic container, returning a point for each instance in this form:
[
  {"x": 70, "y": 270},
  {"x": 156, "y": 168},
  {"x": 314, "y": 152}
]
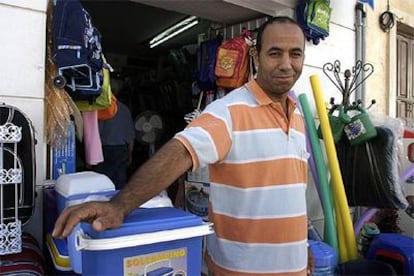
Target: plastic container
[
  {"x": 160, "y": 200},
  {"x": 360, "y": 129},
  {"x": 368, "y": 232},
  {"x": 394, "y": 249},
  {"x": 78, "y": 187},
  {"x": 58, "y": 251},
  {"x": 149, "y": 241},
  {"x": 49, "y": 209},
  {"x": 325, "y": 257},
  {"x": 197, "y": 202}
]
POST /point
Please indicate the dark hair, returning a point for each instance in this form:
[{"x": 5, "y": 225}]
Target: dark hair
[{"x": 277, "y": 19}]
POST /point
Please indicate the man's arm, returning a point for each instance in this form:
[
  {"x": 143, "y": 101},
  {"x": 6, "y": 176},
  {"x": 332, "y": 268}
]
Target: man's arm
[{"x": 171, "y": 161}]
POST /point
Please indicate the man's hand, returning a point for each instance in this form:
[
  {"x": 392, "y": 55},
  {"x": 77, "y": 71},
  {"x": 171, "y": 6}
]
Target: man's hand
[
  {"x": 155, "y": 175},
  {"x": 102, "y": 215}
]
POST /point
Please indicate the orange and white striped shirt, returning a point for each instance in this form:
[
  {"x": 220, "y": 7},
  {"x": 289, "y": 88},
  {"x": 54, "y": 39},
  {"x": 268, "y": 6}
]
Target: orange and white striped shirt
[{"x": 258, "y": 174}]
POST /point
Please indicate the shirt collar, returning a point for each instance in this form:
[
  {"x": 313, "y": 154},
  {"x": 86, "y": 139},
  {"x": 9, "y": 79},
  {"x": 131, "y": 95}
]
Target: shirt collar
[{"x": 261, "y": 97}]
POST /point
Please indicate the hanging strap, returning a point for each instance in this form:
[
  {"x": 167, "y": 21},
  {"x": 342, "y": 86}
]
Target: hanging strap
[{"x": 252, "y": 70}]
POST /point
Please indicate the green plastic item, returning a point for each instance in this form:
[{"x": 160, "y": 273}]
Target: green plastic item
[
  {"x": 337, "y": 123},
  {"x": 368, "y": 232},
  {"x": 360, "y": 129},
  {"x": 330, "y": 234}
]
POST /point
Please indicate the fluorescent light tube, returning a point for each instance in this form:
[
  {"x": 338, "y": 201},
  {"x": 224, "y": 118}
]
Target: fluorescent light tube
[{"x": 173, "y": 31}]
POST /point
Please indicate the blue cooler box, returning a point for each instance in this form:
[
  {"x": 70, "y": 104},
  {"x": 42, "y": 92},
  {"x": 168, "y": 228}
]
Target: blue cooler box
[
  {"x": 325, "y": 257},
  {"x": 394, "y": 249},
  {"x": 151, "y": 241},
  {"x": 58, "y": 252}
]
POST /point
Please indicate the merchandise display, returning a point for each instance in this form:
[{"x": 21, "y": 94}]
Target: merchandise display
[{"x": 361, "y": 166}]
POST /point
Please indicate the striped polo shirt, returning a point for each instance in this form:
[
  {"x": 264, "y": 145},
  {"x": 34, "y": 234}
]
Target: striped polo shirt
[{"x": 258, "y": 173}]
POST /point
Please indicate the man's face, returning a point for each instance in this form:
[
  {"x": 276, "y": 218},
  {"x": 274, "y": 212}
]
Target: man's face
[{"x": 281, "y": 58}]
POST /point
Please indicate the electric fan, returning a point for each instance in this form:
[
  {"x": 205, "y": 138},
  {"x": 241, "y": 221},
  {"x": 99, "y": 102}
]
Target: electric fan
[{"x": 148, "y": 129}]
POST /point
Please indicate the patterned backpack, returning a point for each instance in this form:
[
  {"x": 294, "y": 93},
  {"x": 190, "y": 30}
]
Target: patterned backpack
[
  {"x": 314, "y": 17},
  {"x": 233, "y": 61},
  {"x": 77, "y": 50}
]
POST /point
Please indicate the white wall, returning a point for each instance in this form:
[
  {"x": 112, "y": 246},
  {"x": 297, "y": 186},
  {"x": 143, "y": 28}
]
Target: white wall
[
  {"x": 339, "y": 45},
  {"x": 22, "y": 52}
]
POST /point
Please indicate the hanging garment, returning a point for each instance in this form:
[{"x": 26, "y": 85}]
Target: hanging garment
[{"x": 91, "y": 138}]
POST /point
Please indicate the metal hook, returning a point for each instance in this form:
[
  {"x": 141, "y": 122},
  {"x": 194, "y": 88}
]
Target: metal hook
[
  {"x": 335, "y": 68},
  {"x": 372, "y": 103},
  {"x": 368, "y": 68},
  {"x": 351, "y": 77}
]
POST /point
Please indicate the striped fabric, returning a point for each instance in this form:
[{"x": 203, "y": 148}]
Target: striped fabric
[{"x": 258, "y": 177}]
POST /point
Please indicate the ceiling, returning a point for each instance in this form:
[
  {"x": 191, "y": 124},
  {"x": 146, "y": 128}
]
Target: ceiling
[{"x": 127, "y": 26}]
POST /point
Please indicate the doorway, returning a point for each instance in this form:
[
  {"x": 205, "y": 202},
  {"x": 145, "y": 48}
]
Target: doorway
[{"x": 405, "y": 74}]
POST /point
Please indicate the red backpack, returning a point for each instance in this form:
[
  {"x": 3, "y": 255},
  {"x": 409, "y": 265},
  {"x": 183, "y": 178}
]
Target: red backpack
[{"x": 232, "y": 62}]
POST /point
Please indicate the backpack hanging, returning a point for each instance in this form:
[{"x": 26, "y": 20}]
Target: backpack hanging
[
  {"x": 314, "y": 17},
  {"x": 110, "y": 111},
  {"x": 233, "y": 61},
  {"x": 77, "y": 50},
  {"x": 206, "y": 78},
  {"x": 104, "y": 99}
]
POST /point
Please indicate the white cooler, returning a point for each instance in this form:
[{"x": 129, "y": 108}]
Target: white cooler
[{"x": 75, "y": 188}]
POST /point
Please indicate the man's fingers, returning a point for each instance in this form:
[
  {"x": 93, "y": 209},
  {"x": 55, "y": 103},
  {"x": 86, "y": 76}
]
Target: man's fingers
[
  {"x": 77, "y": 215},
  {"x": 101, "y": 215},
  {"x": 105, "y": 222},
  {"x": 72, "y": 216},
  {"x": 60, "y": 223},
  {"x": 97, "y": 225}
]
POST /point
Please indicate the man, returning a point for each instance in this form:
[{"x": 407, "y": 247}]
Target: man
[
  {"x": 117, "y": 137},
  {"x": 254, "y": 141}
]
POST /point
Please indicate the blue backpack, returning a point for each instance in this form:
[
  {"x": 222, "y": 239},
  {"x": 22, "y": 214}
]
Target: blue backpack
[
  {"x": 314, "y": 18},
  {"x": 77, "y": 50},
  {"x": 206, "y": 78}
]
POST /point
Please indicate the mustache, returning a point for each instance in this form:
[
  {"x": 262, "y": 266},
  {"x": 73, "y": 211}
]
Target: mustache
[{"x": 283, "y": 75}]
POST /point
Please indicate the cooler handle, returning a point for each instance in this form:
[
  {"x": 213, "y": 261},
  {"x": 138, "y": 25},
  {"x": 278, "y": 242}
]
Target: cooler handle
[{"x": 83, "y": 241}]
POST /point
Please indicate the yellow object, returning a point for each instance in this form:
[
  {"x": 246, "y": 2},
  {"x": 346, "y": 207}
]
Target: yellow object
[
  {"x": 104, "y": 99},
  {"x": 337, "y": 182},
  {"x": 343, "y": 249},
  {"x": 61, "y": 262}
]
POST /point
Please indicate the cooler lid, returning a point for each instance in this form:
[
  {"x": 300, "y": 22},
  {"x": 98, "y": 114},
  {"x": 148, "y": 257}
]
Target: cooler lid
[
  {"x": 395, "y": 240},
  {"x": 82, "y": 183},
  {"x": 145, "y": 220},
  {"x": 142, "y": 227}
]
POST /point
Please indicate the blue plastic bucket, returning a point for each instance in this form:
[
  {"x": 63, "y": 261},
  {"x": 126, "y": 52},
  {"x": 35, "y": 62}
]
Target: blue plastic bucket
[{"x": 325, "y": 258}]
